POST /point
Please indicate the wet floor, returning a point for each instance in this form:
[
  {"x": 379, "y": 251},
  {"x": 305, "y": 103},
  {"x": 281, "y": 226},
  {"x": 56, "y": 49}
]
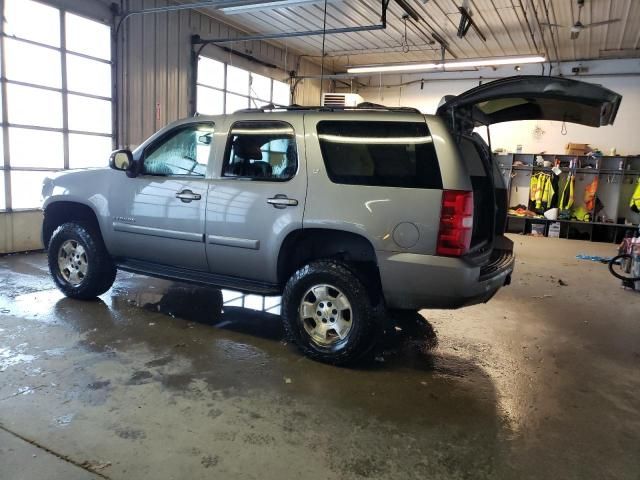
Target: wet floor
[{"x": 165, "y": 380}]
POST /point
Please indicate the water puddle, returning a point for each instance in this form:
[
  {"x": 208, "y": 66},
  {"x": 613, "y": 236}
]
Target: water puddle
[{"x": 10, "y": 358}]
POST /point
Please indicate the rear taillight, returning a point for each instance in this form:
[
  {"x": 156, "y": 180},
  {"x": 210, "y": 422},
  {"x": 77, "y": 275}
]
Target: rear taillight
[{"x": 456, "y": 223}]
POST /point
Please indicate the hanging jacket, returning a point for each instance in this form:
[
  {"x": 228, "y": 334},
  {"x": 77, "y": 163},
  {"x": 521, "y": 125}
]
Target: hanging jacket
[
  {"x": 533, "y": 187},
  {"x": 566, "y": 196},
  {"x": 545, "y": 195},
  {"x": 542, "y": 191},
  {"x": 635, "y": 198},
  {"x": 555, "y": 191},
  {"x": 590, "y": 195}
]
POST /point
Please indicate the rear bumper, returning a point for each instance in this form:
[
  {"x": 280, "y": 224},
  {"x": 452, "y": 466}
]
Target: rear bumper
[{"x": 413, "y": 281}]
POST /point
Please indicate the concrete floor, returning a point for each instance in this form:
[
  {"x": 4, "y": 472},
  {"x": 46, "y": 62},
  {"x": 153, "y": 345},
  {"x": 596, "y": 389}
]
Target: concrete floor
[{"x": 148, "y": 382}]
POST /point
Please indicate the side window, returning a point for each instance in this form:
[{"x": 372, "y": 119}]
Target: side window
[
  {"x": 261, "y": 151},
  {"x": 385, "y": 154},
  {"x": 184, "y": 152}
]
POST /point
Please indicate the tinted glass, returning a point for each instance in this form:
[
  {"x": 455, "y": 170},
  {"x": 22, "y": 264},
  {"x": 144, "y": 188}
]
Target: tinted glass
[
  {"x": 184, "y": 152},
  {"x": 386, "y": 154},
  {"x": 261, "y": 151}
]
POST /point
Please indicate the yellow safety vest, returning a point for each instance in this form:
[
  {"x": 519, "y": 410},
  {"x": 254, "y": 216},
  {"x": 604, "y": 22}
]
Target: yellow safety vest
[
  {"x": 541, "y": 190},
  {"x": 566, "y": 201},
  {"x": 635, "y": 198}
]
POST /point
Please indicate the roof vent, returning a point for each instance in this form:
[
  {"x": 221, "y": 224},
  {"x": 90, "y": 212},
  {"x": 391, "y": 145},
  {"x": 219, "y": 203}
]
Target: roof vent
[{"x": 341, "y": 99}]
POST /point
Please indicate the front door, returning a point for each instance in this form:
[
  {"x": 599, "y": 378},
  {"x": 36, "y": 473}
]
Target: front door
[
  {"x": 256, "y": 197},
  {"x": 158, "y": 216}
]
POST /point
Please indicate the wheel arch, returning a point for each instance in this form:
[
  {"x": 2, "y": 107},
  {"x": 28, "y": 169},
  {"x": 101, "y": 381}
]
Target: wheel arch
[
  {"x": 304, "y": 245},
  {"x": 58, "y": 212}
]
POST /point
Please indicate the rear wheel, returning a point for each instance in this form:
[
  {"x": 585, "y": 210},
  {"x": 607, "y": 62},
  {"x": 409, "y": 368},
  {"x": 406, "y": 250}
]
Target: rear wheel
[
  {"x": 79, "y": 262},
  {"x": 620, "y": 267},
  {"x": 329, "y": 313}
]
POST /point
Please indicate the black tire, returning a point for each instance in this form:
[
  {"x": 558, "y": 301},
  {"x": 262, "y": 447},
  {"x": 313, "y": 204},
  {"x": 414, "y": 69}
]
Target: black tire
[
  {"x": 100, "y": 270},
  {"x": 614, "y": 262},
  {"x": 364, "y": 325}
]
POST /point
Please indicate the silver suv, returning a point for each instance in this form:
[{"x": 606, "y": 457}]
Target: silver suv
[{"x": 345, "y": 213}]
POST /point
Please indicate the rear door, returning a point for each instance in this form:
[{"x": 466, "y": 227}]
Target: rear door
[
  {"x": 531, "y": 98},
  {"x": 257, "y": 195}
]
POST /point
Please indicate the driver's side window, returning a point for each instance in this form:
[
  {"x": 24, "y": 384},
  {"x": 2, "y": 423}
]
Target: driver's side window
[{"x": 184, "y": 152}]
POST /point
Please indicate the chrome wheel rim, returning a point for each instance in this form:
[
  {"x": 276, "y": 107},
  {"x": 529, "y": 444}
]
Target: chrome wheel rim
[
  {"x": 326, "y": 314},
  {"x": 72, "y": 262}
]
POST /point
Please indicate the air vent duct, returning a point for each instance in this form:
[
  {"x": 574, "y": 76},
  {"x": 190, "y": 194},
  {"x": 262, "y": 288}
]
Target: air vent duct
[{"x": 341, "y": 99}]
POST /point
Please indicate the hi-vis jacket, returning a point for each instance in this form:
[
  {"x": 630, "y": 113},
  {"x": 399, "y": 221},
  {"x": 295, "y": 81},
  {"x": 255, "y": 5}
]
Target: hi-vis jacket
[
  {"x": 541, "y": 190},
  {"x": 635, "y": 198}
]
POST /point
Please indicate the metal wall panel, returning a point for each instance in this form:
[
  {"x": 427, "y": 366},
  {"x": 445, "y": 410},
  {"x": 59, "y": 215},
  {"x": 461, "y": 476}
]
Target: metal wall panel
[
  {"x": 508, "y": 26},
  {"x": 155, "y": 71}
]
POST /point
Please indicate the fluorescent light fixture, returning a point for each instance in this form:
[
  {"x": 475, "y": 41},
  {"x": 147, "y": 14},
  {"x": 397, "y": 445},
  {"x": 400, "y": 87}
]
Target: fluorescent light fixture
[
  {"x": 255, "y": 6},
  {"x": 454, "y": 64}
]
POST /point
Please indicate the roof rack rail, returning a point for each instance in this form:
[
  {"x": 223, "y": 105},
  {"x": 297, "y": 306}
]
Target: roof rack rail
[{"x": 333, "y": 108}]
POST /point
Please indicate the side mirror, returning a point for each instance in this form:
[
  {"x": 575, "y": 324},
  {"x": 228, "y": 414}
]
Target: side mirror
[{"x": 121, "y": 160}]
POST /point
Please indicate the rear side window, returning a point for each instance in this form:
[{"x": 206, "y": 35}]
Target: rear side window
[
  {"x": 261, "y": 151},
  {"x": 384, "y": 154}
]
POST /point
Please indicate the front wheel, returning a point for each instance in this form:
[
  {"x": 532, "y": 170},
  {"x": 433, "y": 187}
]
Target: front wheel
[
  {"x": 79, "y": 262},
  {"x": 329, "y": 313}
]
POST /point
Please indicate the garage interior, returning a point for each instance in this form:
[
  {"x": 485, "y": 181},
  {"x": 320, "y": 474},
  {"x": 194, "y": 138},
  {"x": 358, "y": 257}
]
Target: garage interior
[{"x": 162, "y": 379}]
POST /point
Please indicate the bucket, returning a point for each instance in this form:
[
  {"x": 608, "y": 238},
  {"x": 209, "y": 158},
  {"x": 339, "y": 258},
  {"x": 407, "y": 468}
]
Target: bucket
[{"x": 551, "y": 214}]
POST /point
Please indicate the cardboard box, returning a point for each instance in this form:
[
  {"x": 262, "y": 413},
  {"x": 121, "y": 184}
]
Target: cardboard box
[{"x": 577, "y": 148}]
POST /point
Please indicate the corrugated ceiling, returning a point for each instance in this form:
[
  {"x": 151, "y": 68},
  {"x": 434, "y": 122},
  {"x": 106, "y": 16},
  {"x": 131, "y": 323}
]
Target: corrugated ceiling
[{"x": 511, "y": 27}]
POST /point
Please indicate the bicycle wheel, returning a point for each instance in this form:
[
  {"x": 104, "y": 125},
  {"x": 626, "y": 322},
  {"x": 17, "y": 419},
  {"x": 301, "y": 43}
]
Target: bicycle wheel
[{"x": 620, "y": 267}]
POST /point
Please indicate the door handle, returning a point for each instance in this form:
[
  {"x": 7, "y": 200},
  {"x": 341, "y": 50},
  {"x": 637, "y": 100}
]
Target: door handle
[
  {"x": 282, "y": 201},
  {"x": 187, "y": 196}
]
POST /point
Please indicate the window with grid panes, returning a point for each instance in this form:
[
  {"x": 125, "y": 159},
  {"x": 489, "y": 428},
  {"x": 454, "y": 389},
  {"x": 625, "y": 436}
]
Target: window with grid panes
[
  {"x": 225, "y": 88},
  {"x": 58, "y": 106}
]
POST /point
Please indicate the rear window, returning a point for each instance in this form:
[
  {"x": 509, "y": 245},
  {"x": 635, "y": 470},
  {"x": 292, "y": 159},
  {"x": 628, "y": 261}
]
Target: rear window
[{"x": 384, "y": 154}]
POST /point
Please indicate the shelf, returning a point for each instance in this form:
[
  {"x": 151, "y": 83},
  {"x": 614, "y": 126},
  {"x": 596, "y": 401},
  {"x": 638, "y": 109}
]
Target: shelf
[
  {"x": 535, "y": 219},
  {"x": 572, "y": 156},
  {"x": 590, "y": 171}
]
